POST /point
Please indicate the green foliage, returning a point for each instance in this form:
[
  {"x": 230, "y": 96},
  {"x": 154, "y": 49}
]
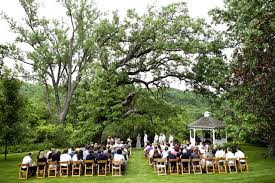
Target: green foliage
[
  {"x": 11, "y": 104},
  {"x": 250, "y": 28}
]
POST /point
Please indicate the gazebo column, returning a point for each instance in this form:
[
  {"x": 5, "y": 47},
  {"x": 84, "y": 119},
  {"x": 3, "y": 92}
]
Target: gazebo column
[
  {"x": 214, "y": 140},
  {"x": 190, "y": 133},
  {"x": 194, "y": 136},
  {"x": 225, "y": 136}
]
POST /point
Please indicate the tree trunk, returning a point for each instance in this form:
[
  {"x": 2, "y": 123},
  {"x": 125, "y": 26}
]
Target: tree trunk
[
  {"x": 271, "y": 147},
  {"x": 6, "y": 149},
  {"x": 97, "y": 137}
]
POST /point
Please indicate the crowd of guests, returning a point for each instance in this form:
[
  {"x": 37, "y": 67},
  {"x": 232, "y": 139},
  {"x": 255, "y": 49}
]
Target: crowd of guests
[
  {"x": 187, "y": 151},
  {"x": 115, "y": 150}
]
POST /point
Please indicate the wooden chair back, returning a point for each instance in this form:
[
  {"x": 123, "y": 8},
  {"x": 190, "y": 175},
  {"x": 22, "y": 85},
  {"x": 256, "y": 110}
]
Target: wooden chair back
[
  {"x": 173, "y": 166},
  {"x": 221, "y": 165},
  {"x": 243, "y": 164},
  {"x": 23, "y": 171},
  {"x": 196, "y": 165},
  {"x": 116, "y": 168},
  {"x": 76, "y": 168},
  {"x": 89, "y": 166},
  {"x": 210, "y": 165},
  {"x": 41, "y": 169},
  {"x": 52, "y": 168},
  {"x": 64, "y": 168},
  {"x": 161, "y": 166},
  {"x": 101, "y": 167},
  {"x": 185, "y": 166},
  {"x": 232, "y": 165}
]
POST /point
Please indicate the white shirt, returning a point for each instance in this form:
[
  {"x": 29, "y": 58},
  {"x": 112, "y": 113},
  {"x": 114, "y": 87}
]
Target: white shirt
[
  {"x": 85, "y": 154},
  {"x": 156, "y": 138},
  {"x": 171, "y": 139},
  {"x": 145, "y": 138},
  {"x": 75, "y": 158},
  {"x": 239, "y": 154},
  {"x": 160, "y": 138},
  {"x": 151, "y": 153},
  {"x": 163, "y": 138},
  {"x": 65, "y": 157},
  {"x": 220, "y": 154},
  {"x": 119, "y": 157},
  {"x": 164, "y": 154},
  {"x": 27, "y": 160},
  {"x": 228, "y": 155}
]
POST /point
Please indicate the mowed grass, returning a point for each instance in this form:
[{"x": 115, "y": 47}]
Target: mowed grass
[{"x": 260, "y": 170}]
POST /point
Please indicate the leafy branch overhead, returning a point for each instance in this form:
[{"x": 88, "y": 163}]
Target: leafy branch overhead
[
  {"x": 146, "y": 50},
  {"x": 161, "y": 44}
]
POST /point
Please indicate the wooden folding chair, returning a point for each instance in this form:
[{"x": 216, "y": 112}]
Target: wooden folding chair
[
  {"x": 210, "y": 165},
  {"x": 101, "y": 167},
  {"x": 76, "y": 168},
  {"x": 89, "y": 166},
  {"x": 185, "y": 166},
  {"x": 155, "y": 164},
  {"x": 161, "y": 166},
  {"x": 221, "y": 165},
  {"x": 173, "y": 166},
  {"x": 52, "y": 168},
  {"x": 23, "y": 172},
  {"x": 196, "y": 165},
  {"x": 243, "y": 164},
  {"x": 41, "y": 169},
  {"x": 116, "y": 168},
  {"x": 231, "y": 164},
  {"x": 109, "y": 164},
  {"x": 64, "y": 169}
]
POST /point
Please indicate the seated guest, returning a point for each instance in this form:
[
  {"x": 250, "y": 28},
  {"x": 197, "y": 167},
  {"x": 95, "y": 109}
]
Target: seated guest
[
  {"x": 176, "y": 151},
  {"x": 109, "y": 154},
  {"x": 71, "y": 152},
  {"x": 125, "y": 153},
  {"x": 86, "y": 152},
  {"x": 41, "y": 157},
  {"x": 91, "y": 155},
  {"x": 170, "y": 157},
  {"x": 119, "y": 157},
  {"x": 185, "y": 154},
  {"x": 28, "y": 160},
  {"x": 74, "y": 158},
  {"x": 220, "y": 154},
  {"x": 56, "y": 156},
  {"x": 65, "y": 157},
  {"x": 101, "y": 155},
  {"x": 195, "y": 154},
  {"x": 239, "y": 154},
  {"x": 80, "y": 155},
  {"x": 147, "y": 149},
  {"x": 214, "y": 150},
  {"x": 156, "y": 154},
  {"x": 228, "y": 155},
  {"x": 165, "y": 153},
  {"x": 50, "y": 153}
]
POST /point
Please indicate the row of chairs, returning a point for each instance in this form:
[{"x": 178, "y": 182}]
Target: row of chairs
[
  {"x": 212, "y": 165},
  {"x": 53, "y": 169}
]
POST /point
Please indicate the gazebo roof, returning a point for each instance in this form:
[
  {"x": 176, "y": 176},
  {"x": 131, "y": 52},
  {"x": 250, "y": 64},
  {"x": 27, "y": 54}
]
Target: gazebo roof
[{"x": 206, "y": 123}]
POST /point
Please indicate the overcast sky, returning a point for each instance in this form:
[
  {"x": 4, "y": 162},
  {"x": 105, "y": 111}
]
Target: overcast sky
[{"x": 51, "y": 9}]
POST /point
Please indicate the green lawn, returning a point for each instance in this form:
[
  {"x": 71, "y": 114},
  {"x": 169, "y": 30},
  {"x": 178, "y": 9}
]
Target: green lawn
[{"x": 138, "y": 170}]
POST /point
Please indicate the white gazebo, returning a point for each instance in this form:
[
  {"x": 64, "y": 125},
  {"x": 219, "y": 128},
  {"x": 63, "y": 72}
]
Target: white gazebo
[{"x": 210, "y": 124}]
